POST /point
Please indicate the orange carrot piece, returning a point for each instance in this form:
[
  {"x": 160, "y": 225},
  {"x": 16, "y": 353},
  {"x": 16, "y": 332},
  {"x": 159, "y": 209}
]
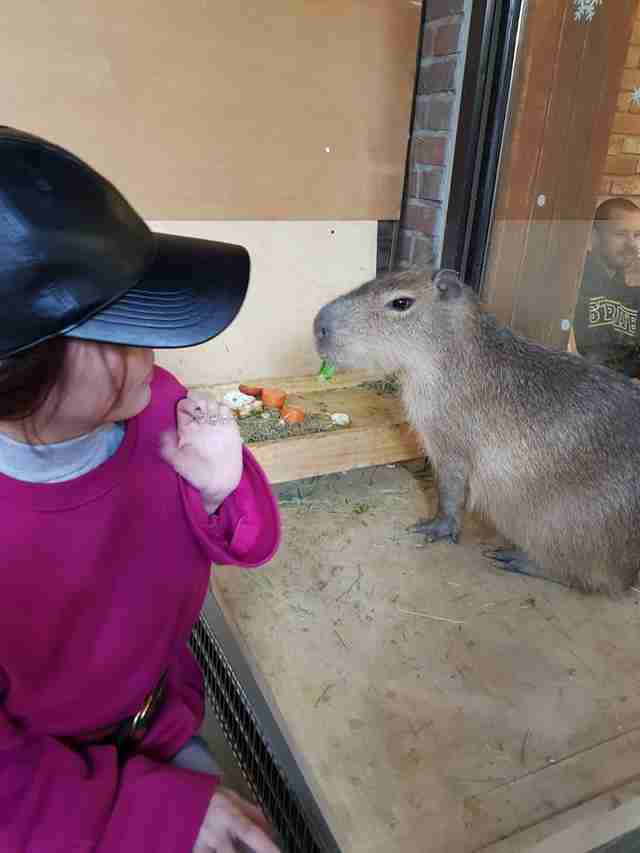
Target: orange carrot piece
[
  {"x": 291, "y": 415},
  {"x": 273, "y": 398},
  {"x": 251, "y": 390}
]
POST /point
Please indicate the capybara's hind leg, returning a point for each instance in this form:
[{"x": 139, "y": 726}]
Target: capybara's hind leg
[{"x": 515, "y": 560}]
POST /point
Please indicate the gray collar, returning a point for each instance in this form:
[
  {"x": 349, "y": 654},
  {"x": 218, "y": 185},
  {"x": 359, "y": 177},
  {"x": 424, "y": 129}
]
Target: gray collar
[{"x": 55, "y": 463}]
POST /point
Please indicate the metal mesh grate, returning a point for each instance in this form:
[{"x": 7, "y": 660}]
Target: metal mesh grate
[
  {"x": 246, "y": 738},
  {"x": 386, "y": 233}
]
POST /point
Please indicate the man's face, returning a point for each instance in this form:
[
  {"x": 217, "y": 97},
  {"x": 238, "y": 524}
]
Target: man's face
[{"x": 617, "y": 240}]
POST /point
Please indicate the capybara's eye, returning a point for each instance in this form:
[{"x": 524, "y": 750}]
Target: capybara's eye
[{"x": 401, "y": 304}]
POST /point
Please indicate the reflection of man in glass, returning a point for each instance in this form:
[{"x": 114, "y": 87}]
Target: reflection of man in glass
[{"x": 606, "y": 323}]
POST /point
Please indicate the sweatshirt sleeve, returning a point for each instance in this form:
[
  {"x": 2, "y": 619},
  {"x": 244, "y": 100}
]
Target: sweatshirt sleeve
[
  {"x": 56, "y": 800},
  {"x": 245, "y": 529}
]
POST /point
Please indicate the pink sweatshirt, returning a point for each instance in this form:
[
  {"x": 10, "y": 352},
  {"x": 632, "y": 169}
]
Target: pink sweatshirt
[{"x": 101, "y": 581}]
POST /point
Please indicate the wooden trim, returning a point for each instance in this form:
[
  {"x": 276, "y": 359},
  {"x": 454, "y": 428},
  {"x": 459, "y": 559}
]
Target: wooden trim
[
  {"x": 586, "y": 834},
  {"x": 582, "y": 784}
]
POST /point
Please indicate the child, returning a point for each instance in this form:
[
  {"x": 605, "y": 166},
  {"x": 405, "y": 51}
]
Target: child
[{"x": 117, "y": 492}]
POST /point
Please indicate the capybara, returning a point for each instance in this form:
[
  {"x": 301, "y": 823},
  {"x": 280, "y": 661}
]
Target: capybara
[{"x": 541, "y": 442}]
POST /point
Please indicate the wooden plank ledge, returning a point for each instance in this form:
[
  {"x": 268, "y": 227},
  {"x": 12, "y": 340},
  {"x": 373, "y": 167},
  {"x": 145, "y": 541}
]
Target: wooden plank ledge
[{"x": 378, "y": 434}]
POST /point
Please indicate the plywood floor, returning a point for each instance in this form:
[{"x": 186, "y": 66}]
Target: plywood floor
[{"x": 440, "y": 704}]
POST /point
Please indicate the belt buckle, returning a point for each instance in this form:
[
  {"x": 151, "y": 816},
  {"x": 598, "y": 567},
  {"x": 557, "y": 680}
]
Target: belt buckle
[{"x": 139, "y": 725}]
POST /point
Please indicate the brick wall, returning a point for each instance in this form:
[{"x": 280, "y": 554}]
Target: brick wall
[
  {"x": 622, "y": 171},
  {"x": 433, "y": 132}
]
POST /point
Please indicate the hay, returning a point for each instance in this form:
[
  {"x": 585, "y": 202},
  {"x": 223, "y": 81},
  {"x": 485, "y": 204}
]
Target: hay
[
  {"x": 389, "y": 386},
  {"x": 255, "y": 428}
]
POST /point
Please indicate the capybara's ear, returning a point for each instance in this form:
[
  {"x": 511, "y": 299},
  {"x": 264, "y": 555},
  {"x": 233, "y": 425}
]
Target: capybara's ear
[{"x": 447, "y": 283}]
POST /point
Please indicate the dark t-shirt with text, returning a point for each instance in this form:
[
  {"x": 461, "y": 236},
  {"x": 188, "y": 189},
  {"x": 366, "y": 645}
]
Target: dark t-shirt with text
[{"x": 606, "y": 319}]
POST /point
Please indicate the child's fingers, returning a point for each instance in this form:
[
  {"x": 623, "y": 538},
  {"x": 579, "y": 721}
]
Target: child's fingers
[
  {"x": 203, "y": 409},
  {"x": 225, "y": 415},
  {"x": 187, "y": 412},
  {"x": 203, "y": 401},
  {"x": 169, "y": 446},
  {"x": 251, "y": 810}
]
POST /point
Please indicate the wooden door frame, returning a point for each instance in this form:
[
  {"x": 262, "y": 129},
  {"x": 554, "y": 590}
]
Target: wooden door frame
[
  {"x": 495, "y": 31},
  {"x": 531, "y": 103}
]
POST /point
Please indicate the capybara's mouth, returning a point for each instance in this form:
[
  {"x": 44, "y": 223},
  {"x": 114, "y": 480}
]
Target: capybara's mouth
[{"x": 323, "y": 335}]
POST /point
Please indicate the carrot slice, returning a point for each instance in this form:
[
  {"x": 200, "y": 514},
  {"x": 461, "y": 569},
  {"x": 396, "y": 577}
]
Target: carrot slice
[
  {"x": 251, "y": 390},
  {"x": 292, "y": 415},
  {"x": 273, "y": 398}
]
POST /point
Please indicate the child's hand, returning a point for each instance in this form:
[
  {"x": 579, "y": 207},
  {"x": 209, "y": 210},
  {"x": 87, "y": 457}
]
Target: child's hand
[
  {"x": 233, "y": 824},
  {"x": 207, "y": 448}
]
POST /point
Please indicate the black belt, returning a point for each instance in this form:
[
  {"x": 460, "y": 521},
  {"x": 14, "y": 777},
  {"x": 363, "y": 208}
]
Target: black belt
[{"x": 128, "y": 733}]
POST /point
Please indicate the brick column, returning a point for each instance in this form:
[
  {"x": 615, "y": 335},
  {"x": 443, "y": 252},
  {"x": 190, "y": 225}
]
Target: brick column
[
  {"x": 433, "y": 132},
  {"x": 622, "y": 171}
]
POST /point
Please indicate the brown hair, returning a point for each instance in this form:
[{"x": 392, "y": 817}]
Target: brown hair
[
  {"x": 28, "y": 379},
  {"x": 609, "y": 208}
]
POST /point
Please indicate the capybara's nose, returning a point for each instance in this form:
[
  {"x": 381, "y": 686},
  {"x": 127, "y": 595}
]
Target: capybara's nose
[
  {"x": 322, "y": 324},
  {"x": 324, "y": 330}
]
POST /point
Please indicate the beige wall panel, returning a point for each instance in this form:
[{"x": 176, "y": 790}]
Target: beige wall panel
[
  {"x": 208, "y": 110},
  {"x": 295, "y": 268}
]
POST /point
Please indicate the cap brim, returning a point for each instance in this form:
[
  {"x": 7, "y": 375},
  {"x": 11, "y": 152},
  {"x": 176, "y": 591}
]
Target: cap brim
[{"x": 190, "y": 292}]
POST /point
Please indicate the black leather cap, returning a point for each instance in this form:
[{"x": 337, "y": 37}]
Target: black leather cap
[{"x": 76, "y": 259}]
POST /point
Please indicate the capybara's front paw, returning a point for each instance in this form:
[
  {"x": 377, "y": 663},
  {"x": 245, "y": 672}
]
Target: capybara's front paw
[{"x": 437, "y": 528}]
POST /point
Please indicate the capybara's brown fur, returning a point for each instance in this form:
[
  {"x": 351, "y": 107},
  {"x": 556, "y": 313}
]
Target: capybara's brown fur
[{"x": 544, "y": 444}]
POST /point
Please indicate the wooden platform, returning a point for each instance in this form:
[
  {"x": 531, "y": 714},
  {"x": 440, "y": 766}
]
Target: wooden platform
[
  {"x": 438, "y": 703},
  {"x": 378, "y": 433}
]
